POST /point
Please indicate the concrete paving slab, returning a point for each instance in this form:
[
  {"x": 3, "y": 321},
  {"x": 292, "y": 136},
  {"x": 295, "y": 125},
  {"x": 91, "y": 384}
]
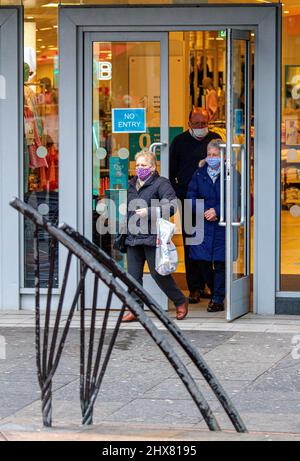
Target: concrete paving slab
[
  {"x": 277, "y": 382},
  {"x": 163, "y": 411},
  {"x": 268, "y": 402},
  {"x": 145, "y": 434},
  {"x": 141, "y": 388},
  {"x": 115, "y": 432},
  {"x": 237, "y": 371},
  {"x": 260, "y": 328},
  {"x": 174, "y": 389},
  {"x": 292, "y": 329},
  {"x": 241, "y": 352},
  {"x": 123, "y": 390},
  {"x": 264, "y": 422},
  {"x": 64, "y": 412},
  {"x": 10, "y": 324}
]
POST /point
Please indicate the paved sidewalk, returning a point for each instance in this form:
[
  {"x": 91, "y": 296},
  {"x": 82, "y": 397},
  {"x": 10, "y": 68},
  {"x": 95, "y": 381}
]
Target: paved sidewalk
[
  {"x": 197, "y": 320},
  {"x": 143, "y": 399}
]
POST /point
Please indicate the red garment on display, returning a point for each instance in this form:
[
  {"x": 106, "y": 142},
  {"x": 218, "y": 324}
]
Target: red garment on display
[
  {"x": 33, "y": 140},
  {"x": 52, "y": 158},
  {"x": 43, "y": 178}
]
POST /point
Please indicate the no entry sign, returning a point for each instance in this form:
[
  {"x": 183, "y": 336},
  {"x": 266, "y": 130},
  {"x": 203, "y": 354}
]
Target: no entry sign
[{"x": 129, "y": 120}]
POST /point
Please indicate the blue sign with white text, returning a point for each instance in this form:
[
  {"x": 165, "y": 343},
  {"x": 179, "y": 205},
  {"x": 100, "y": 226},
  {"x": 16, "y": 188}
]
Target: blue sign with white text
[{"x": 129, "y": 120}]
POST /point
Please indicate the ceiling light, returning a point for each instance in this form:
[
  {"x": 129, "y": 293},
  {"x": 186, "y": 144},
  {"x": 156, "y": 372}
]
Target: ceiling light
[
  {"x": 39, "y": 40},
  {"x": 50, "y": 5},
  {"x": 55, "y": 27},
  {"x": 286, "y": 12},
  {"x": 43, "y": 46},
  {"x": 29, "y": 17},
  {"x": 46, "y": 28}
]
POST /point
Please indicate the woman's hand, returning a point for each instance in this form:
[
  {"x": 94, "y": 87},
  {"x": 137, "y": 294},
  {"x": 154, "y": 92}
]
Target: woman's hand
[
  {"x": 142, "y": 212},
  {"x": 211, "y": 215}
]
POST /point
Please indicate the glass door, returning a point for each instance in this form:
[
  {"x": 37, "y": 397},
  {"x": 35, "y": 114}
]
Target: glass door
[
  {"x": 236, "y": 174},
  {"x": 11, "y": 135},
  {"x": 125, "y": 111}
]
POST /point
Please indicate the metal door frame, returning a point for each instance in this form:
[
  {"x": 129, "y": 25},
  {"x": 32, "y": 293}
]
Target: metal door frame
[
  {"x": 86, "y": 109},
  {"x": 265, "y": 21},
  {"x": 11, "y": 151},
  {"x": 237, "y": 291}
]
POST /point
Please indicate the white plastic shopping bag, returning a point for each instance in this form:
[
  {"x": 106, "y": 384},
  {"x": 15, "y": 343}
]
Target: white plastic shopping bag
[{"x": 166, "y": 257}]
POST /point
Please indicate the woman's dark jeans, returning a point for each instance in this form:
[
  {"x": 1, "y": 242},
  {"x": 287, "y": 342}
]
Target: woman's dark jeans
[{"x": 136, "y": 258}]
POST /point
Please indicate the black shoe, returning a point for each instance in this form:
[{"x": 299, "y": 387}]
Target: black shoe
[
  {"x": 194, "y": 297},
  {"x": 215, "y": 307}
]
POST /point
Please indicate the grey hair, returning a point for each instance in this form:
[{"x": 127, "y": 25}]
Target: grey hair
[
  {"x": 214, "y": 144},
  {"x": 150, "y": 156}
]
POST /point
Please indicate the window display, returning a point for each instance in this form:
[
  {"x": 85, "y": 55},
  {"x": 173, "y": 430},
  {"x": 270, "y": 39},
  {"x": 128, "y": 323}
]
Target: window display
[
  {"x": 40, "y": 140},
  {"x": 194, "y": 57},
  {"x": 290, "y": 154}
]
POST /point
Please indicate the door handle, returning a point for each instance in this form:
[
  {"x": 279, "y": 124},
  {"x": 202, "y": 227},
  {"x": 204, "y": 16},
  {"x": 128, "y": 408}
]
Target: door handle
[
  {"x": 243, "y": 185},
  {"x": 155, "y": 145},
  {"x": 222, "y": 221}
]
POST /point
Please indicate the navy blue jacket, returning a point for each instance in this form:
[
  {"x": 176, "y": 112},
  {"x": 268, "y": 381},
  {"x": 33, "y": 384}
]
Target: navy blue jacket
[
  {"x": 156, "y": 188},
  {"x": 213, "y": 246}
]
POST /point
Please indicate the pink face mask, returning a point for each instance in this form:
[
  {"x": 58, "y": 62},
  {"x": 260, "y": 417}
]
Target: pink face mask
[{"x": 143, "y": 173}]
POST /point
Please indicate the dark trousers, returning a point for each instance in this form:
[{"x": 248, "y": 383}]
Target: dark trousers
[
  {"x": 193, "y": 270},
  {"x": 214, "y": 275},
  {"x": 136, "y": 258}
]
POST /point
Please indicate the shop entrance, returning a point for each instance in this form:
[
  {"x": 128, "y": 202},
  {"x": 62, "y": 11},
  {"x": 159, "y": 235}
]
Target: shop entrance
[
  {"x": 134, "y": 90},
  {"x": 143, "y": 89}
]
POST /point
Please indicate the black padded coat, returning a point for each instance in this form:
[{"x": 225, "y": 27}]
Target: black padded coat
[{"x": 156, "y": 192}]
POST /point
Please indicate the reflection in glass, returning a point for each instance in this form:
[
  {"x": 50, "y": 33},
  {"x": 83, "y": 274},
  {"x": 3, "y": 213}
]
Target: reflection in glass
[
  {"x": 40, "y": 143},
  {"x": 126, "y": 75},
  {"x": 239, "y": 137}
]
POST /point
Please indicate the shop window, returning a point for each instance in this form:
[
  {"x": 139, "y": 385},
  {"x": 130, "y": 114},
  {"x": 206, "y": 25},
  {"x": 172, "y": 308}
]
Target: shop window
[
  {"x": 40, "y": 184},
  {"x": 290, "y": 152},
  {"x": 41, "y": 150}
]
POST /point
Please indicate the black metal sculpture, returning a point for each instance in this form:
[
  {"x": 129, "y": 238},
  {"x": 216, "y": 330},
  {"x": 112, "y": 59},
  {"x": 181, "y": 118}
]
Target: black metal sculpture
[{"x": 109, "y": 274}]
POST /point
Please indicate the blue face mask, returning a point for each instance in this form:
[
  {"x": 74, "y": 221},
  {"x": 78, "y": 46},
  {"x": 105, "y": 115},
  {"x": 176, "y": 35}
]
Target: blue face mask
[{"x": 213, "y": 162}]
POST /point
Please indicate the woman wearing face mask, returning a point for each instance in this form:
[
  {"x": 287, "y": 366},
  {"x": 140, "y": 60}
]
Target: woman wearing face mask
[
  {"x": 205, "y": 184},
  {"x": 148, "y": 190}
]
